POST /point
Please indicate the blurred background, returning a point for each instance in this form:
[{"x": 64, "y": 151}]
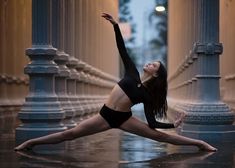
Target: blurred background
[{"x": 144, "y": 27}]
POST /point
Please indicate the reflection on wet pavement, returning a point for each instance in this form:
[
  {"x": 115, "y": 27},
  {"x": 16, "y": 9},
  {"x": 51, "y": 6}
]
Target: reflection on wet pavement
[
  {"x": 113, "y": 149},
  {"x": 149, "y": 154}
]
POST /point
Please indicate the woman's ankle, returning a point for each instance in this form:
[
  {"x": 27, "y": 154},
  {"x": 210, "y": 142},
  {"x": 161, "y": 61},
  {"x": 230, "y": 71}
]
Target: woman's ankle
[
  {"x": 30, "y": 143},
  {"x": 200, "y": 144}
]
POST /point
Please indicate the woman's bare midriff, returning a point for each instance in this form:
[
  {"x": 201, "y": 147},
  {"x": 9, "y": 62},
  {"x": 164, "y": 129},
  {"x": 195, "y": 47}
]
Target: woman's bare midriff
[{"x": 118, "y": 100}]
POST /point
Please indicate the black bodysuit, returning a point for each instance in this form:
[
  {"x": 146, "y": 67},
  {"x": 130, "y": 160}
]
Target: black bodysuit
[{"x": 133, "y": 88}]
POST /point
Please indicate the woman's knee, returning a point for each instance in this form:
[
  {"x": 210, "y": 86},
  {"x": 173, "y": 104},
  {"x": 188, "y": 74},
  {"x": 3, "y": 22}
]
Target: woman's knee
[
  {"x": 160, "y": 136},
  {"x": 68, "y": 134}
]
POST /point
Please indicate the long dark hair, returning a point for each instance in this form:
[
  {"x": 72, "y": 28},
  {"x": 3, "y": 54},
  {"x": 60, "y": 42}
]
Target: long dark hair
[{"x": 157, "y": 87}]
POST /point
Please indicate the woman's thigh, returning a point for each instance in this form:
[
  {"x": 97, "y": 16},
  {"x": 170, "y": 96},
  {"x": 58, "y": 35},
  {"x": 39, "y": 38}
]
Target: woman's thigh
[
  {"x": 90, "y": 126},
  {"x": 138, "y": 127}
]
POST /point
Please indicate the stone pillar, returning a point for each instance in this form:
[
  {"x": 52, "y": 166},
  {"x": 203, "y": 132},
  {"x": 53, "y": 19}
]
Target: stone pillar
[
  {"x": 41, "y": 114},
  {"x": 227, "y": 31},
  {"x": 61, "y": 59},
  {"x": 207, "y": 116},
  {"x": 3, "y": 51},
  {"x": 15, "y": 18},
  {"x": 78, "y": 46},
  {"x": 79, "y": 90},
  {"x": 86, "y": 96},
  {"x": 71, "y": 82},
  {"x": 70, "y": 49}
]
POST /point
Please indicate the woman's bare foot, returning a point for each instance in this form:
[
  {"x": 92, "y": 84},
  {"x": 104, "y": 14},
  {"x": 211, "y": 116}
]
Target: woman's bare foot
[
  {"x": 206, "y": 147},
  {"x": 24, "y": 146}
]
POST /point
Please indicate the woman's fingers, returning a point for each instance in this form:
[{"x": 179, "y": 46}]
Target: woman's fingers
[{"x": 107, "y": 16}]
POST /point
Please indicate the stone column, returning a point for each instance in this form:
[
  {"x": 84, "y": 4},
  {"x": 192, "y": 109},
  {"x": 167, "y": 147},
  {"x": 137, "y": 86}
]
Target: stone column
[
  {"x": 208, "y": 117},
  {"x": 78, "y": 47},
  {"x": 58, "y": 18},
  {"x": 4, "y": 100},
  {"x": 79, "y": 90},
  {"x": 71, "y": 83},
  {"x": 70, "y": 49},
  {"x": 41, "y": 114},
  {"x": 227, "y": 29}
]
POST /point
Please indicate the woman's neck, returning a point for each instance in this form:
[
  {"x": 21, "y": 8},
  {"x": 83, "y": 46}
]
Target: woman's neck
[{"x": 144, "y": 77}]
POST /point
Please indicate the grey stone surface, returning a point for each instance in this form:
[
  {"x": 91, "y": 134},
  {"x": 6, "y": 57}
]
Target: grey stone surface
[{"x": 113, "y": 149}]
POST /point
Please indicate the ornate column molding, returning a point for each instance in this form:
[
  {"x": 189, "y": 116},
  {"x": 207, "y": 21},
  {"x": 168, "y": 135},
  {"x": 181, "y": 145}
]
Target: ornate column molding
[
  {"x": 14, "y": 79},
  {"x": 230, "y": 77},
  {"x": 80, "y": 90},
  {"x": 229, "y": 92},
  {"x": 208, "y": 48},
  {"x": 92, "y": 78},
  {"x": 207, "y": 117},
  {"x": 61, "y": 59},
  {"x": 41, "y": 114},
  {"x": 71, "y": 82},
  {"x": 87, "y": 86},
  {"x": 61, "y": 89}
]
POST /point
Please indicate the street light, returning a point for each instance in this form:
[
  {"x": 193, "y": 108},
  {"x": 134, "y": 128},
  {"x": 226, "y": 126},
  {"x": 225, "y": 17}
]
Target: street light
[
  {"x": 160, "y": 5},
  {"x": 160, "y": 8}
]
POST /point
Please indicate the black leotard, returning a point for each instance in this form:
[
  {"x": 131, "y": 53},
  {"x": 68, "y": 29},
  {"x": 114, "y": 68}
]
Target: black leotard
[{"x": 132, "y": 86}]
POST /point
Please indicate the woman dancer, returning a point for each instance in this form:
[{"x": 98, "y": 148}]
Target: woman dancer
[{"x": 149, "y": 89}]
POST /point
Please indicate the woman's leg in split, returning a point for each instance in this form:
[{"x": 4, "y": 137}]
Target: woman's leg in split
[
  {"x": 135, "y": 126},
  {"x": 90, "y": 126}
]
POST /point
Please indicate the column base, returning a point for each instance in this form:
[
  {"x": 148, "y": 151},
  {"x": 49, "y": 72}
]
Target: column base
[
  {"x": 25, "y": 133},
  {"x": 210, "y": 133},
  {"x": 205, "y": 121},
  {"x": 69, "y": 123}
]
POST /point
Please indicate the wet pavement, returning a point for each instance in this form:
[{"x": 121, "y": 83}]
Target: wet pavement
[{"x": 115, "y": 149}]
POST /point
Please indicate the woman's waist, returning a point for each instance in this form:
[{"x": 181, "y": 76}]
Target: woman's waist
[{"x": 119, "y": 104}]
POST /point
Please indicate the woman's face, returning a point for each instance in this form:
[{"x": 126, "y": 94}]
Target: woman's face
[{"x": 151, "y": 68}]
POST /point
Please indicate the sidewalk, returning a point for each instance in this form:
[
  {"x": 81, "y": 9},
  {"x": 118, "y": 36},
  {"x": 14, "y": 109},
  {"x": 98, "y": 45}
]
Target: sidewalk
[{"x": 113, "y": 149}]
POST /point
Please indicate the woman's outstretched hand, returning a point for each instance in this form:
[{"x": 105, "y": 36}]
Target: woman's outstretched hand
[
  {"x": 109, "y": 18},
  {"x": 24, "y": 146},
  {"x": 179, "y": 120}
]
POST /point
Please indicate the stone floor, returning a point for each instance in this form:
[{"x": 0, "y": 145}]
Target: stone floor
[{"x": 113, "y": 149}]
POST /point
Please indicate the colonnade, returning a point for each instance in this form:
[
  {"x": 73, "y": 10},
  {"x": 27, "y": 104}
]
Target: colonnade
[
  {"x": 194, "y": 54},
  {"x": 73, "y": 62}
]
